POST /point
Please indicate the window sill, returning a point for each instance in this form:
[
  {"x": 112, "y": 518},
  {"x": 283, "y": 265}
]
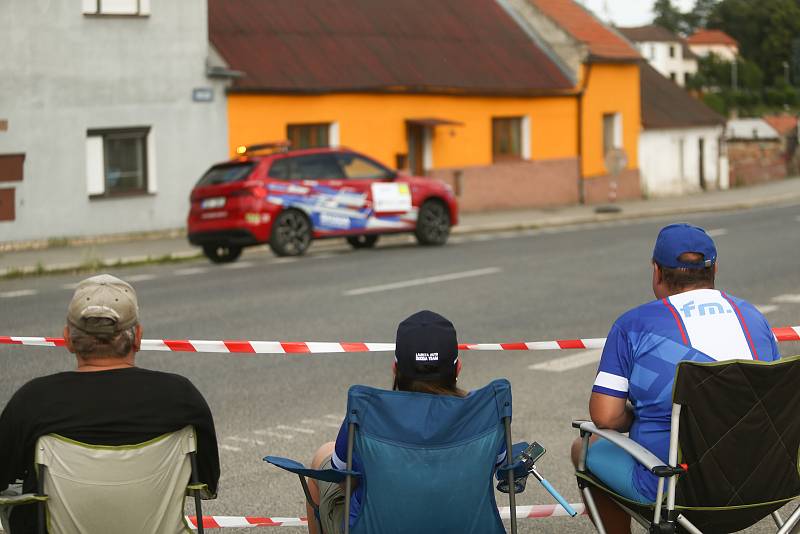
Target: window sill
[
  {"x": 117, "y": 15},
  {"x": 122, "y": 195}
]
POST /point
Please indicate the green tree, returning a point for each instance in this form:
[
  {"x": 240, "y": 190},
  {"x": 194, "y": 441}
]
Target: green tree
[
  {"x": 698, "y": 17},
  {"x": 765, "y": 31},
  {"x": 668, "y": 16}
]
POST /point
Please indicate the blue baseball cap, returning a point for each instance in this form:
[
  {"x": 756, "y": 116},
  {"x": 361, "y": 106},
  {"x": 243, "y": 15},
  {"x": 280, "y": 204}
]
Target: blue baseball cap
[{"x": 677, "y": 239}]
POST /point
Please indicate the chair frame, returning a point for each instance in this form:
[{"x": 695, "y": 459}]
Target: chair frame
[
  {"x": 670, "y": 472},
  {"x": 40, "y": 498}
]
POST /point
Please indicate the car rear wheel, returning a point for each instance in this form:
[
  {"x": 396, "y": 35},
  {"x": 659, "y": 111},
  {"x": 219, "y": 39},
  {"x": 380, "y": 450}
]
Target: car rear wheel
[
  {"x": 222, "y": 253},
  {"x": 362, "y": 241},
  {"x": 433, "y": 223},
  {"x": 291, "y": 234}
]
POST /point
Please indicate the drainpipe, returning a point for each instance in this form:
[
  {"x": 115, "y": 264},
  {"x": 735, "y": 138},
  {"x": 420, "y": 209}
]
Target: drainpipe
[{"x": 579, "y": 96}]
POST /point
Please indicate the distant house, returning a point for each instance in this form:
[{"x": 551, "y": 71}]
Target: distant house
[
  {"x": 606, "y": 66},
  {"x": 681, "y": 148},
  {"x": 788, "y": 127},
  {"x": 666, "y": 52},
  {"x": 108, "y": 116},
  {"x": 462, "y": 90},
  {"x": 755, "y": 151},
  {"x": 717, "y": 42}
]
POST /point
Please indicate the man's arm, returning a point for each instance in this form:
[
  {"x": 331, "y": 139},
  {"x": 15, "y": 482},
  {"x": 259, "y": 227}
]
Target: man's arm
[
  {"x": 207, "y": 453},
  {"x": 610, "y": 412}
]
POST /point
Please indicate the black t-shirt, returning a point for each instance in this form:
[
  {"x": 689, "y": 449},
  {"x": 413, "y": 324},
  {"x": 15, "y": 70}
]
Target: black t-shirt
[{"x": 115, "y": 407}]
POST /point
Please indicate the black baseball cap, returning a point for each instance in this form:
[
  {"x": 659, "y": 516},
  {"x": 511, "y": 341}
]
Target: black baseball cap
[{"x": 426, "y": 348}]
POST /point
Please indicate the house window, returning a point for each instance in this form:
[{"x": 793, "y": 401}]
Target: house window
[
  {"x": 309, "y": 135},
  {"x": 7, "y": 204},
  {"x": 507, "y": 142},
  {"x": 117, "y": 162},
  {"x": 135, "y": 8},
  {"x": 671, "y": 50},
  {"x": 673, "y": 76},
  {"x": 11, "y": 166},
  {"x": 612, "y": 132}
]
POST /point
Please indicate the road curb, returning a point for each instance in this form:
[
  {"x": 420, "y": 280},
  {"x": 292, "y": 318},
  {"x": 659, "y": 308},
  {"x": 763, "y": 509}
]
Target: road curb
[{"x": 503, "y": 226}]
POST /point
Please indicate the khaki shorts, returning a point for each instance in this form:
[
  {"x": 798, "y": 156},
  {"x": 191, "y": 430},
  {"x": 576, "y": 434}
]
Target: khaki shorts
[{"x": 331, "y": 503}]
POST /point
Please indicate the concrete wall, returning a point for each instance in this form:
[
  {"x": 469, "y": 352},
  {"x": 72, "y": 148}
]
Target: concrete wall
[
  {"x": 756, "y": 161},
  {"x": 63, "y": 73},
  {"x": 669, "y": 161},
  {"x": 523, "y": 184}
]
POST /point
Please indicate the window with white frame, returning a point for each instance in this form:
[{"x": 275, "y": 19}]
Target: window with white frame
[
  {"x": 511, "y": 138},
  {"x": 135, "y": 8},
  {"x": 313, "y": 135},
  {"x": 117, "y": 162}
]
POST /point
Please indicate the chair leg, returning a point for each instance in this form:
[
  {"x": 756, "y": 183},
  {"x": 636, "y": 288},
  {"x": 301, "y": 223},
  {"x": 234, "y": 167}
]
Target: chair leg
[
  {"x": 687, "y": 525},
  {"x": 311, "y": 503},
  {"x": 593, "y": 513},
  {"x": 41, "y": 507},
  {"x": 777, "y": 518},
  {"x": 792, "y": 524},
  {"x": 198, "y": 506}
]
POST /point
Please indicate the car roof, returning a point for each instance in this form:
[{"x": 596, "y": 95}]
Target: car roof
[{"x": 287, "y": 153}]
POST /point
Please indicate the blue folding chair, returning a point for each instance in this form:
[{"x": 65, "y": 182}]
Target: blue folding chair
[{"x": 427, "y": 461}]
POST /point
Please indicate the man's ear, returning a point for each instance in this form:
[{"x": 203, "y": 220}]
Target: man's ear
[
  {"x": 458, "y": 367},
  {"x": 657, "y": 273},
  {"x": 137, "y": 338},
  {"x": 67, "y": 340}
]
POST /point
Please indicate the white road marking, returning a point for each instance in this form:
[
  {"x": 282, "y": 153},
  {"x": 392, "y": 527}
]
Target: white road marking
[
  {"x": 330, "y": 424},
  {"x": 766, "y": 308},
  {"x": 323, "y": 256},
  {"x": 190, "y": 271},
  {"x": 566, "y": 363},
  {"x": 284, "y": 260},
  {"x": 456, "y": 240},
  {"x": 140, "y": 277},
  {"x": 18, "y": 293},
  {"x": 273, "y": 434},
  {"x": 423, "y": 281},
  {"x": 333, "y": 416},
  {"x": 790, "y": 299},
  {"x": 229, "y": 448},
  {"x": 246, "y": 440},
  {"x": 716, "y": 232},
  {"x": 238, "y": 265},
  {"x": 482, "y": 237},
  {"x": 295, "y": 429}
]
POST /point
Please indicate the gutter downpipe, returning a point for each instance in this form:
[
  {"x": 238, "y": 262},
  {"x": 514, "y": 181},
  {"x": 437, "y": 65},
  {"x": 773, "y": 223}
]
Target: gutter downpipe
[{"x": 580, "y": 95}]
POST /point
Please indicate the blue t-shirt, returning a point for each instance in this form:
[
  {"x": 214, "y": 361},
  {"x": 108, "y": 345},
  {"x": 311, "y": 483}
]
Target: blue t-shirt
[
  {"x": 646, "y": 344},
  {"x": 339, "y": 461}
]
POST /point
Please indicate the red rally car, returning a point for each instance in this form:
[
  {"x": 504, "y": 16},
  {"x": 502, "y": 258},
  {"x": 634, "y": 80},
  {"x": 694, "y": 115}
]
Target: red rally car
[{"x": 286, "y": 198}]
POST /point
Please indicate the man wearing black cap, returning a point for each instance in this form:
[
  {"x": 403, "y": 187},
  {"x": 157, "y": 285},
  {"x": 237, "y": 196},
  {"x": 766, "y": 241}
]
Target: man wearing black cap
[
  {"x": 426, "y": 361},
  {"x": 689, "y": 320},
  {"x": 107, "y": 400}
]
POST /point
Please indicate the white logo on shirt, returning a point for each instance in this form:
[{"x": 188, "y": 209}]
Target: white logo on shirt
[{"x": 427, "y": 357}]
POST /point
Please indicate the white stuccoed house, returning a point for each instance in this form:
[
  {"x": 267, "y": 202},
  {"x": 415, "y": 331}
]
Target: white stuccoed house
[
  {"x": 682, "y": 145},
  {"x": 110, "y": 110}
]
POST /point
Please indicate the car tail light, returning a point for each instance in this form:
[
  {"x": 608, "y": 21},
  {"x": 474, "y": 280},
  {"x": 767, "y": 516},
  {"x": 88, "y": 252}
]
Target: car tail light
[{"x": 258, "y": 192}]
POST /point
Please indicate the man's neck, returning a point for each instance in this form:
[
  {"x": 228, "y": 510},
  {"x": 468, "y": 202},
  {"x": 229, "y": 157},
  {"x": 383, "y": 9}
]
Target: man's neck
[
  {"x": 687, "y": 289},
  {"x": 104, "y": 363}
]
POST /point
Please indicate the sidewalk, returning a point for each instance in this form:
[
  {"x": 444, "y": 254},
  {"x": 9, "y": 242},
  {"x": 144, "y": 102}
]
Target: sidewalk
[{"x": 173, "y": 246}]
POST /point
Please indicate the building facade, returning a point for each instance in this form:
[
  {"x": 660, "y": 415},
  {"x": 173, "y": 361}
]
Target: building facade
[
  {"x": 669, "y": 54},
  {"x": 682, "y": 145},
  {"x": 717, "y": 42},
  {"x": 108, "y": 115}
]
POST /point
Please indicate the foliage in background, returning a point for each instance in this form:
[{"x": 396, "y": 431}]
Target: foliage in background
[{"x": 768, "y": 70}]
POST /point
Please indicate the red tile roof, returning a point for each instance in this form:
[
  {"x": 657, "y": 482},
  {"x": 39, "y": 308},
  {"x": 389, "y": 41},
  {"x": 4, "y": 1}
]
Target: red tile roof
[
  {"x": 784, "y": 124},
  {"x": 709, "y": 37},
  {"x": 470, "y": 46},
  {"x": 603, "y": 41},
  {"x": 666, "y": 105}
]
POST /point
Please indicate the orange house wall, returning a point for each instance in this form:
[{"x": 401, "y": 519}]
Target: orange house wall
[
  {"x": 613, "y": 88},
  {"x": 375, "y": 123}
]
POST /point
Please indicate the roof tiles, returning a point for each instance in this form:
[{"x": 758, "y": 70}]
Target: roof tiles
[
  {"x": 470, "y": 46},
  {"x": 666, "y": 105},
  {"x": 709, "y": 37},
  {"x": 603, "y": 42}
]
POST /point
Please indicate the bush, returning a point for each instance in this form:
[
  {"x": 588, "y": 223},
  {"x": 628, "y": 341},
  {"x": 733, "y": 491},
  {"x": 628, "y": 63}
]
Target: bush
[{"x": 716, "y": 102}]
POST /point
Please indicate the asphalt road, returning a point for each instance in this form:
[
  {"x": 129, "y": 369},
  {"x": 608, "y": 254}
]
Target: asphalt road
[{"x": 534, "y": 285}]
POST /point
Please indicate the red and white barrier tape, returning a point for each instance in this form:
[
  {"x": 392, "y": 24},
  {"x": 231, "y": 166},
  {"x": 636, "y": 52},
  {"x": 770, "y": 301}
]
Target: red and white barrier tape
[
  {"x": 786, "y": 333},
  {"x": 536, "y": 511}
]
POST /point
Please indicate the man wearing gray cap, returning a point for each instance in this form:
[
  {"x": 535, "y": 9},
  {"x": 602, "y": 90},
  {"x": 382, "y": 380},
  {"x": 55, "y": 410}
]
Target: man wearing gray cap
[{"x": 107, "y": 400}]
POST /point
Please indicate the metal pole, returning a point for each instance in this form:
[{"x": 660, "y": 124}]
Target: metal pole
[
  {"x": 348, "y": 484},
  {"x": 512, "y": 500},
  {"x": 198, "y": 506}
]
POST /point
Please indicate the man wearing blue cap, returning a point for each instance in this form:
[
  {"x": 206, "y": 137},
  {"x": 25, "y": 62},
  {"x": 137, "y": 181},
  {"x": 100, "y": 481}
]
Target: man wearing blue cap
[{"x": 689, "y": 320}]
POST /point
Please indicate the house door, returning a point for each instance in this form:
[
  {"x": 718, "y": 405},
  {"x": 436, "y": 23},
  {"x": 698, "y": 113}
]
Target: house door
[
  {"x": 416, "y": 149},
  {"x": 701, "y": 145}
]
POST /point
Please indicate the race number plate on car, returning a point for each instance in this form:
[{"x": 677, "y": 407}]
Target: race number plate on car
[
  {"x": 213, "y": 202},
  {"x": 391, "y": 197}
]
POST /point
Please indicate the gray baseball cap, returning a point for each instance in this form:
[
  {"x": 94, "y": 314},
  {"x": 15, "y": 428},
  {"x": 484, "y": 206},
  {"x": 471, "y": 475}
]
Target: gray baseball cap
[{"x": 103, "y": 297}]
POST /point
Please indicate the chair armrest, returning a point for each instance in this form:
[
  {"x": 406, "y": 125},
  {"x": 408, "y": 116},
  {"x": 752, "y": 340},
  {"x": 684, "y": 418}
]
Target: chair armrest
[
  {"x": 327, "y": 475},
  {"x": 652, "y": 462},
  {"x": 201, "y": 489},
  {"x": 25, "y": 498}
]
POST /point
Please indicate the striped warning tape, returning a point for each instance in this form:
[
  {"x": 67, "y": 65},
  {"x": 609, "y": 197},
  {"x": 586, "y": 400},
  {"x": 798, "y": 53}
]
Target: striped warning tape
[
  {"x": 536, "y": 511},
  {"x": 786, "y": 333}
]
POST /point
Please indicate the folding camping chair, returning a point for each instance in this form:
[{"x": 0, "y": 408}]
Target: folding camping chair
[
  {"x": 733, "y": 455},
  {"x": 127, "y": 489},
  {"x": 416, "y": 449}
]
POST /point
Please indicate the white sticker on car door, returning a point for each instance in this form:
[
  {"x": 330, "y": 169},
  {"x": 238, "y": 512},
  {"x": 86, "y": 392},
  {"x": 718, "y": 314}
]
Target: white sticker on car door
[{"x": 391, "y": 197}]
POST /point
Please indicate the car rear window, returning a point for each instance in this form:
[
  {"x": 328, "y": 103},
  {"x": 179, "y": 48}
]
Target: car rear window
[{"x": 225, "y": 174}]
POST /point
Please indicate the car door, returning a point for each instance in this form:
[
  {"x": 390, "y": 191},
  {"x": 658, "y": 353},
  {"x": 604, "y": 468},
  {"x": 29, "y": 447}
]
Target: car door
[{"x": 388, "y": 199}]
